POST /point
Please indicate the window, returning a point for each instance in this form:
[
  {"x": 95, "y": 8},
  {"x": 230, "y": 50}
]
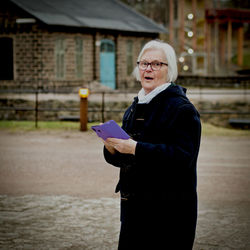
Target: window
[
  {"x": 143, "y": 42},
  {"x": 60, "y": 49},
  {"x": 129, "y": 57},
  {"x": 79, "y": 57},
  {"x": 6, "y": 58}
]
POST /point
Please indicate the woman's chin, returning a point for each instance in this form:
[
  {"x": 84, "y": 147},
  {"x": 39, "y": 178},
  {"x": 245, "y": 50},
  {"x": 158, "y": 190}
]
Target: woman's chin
[{"x": 148, "y": 87}]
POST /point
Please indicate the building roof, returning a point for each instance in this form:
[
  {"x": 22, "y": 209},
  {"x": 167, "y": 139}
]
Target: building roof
[{"x": 99, "y": 14}]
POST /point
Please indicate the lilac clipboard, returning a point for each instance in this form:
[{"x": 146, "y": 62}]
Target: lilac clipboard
[{"x": 110, "y": 129}]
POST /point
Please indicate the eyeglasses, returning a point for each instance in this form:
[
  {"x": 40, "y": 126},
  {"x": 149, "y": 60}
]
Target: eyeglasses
[{"x": 155, "y": 65}]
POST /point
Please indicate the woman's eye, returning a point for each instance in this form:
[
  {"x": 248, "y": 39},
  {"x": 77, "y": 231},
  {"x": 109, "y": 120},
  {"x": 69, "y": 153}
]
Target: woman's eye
[{"x": 156, "y": 64}]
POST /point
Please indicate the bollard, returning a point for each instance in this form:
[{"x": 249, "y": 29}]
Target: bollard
[{"x": 83, "y": 93}]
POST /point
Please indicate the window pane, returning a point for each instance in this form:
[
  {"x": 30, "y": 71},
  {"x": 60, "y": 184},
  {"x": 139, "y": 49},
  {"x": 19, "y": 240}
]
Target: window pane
[
  {"x": 129, "y": 57},
  {"x": 79, "y": 57},
  {"x": 110, "y": 48},
  {"x": 103, "y": 47},
  {"x": 143, "y": 42},
  {"x": 61, "y": 65},
  {"x": 107, "y": 46},
  {"x": 60, "y": 58}
]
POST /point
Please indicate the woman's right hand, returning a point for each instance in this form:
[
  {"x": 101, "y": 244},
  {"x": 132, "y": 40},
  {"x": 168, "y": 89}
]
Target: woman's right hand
[{"x": 109, "y": 147}]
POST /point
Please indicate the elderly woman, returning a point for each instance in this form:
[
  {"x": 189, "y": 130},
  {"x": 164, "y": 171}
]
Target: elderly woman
[{"x": 158, "y": 163}]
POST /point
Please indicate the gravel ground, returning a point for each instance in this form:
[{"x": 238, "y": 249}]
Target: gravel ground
[{"x": 56, "y": 192}]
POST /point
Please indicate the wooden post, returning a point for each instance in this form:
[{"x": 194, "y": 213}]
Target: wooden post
[
  {"x": 240, "y": 46},
  {"x": 83, "y": 93},
  {"x": 194, "y": 43},
  {"x": 222, "y": 47},
  {"x": 207, "y": 39},
  {"x": 181, "y": 20},
  {"x": 216, "y": 46},
  {"x": 208, "y": 46},
  {"x": 229, "y": 43},
  {"x": 83, "y": 114},
  {"x": 171, "y": 22}
]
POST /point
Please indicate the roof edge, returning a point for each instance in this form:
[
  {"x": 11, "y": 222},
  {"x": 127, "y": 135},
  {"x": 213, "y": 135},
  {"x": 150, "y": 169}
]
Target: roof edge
[{"x": 164, "y": 30}]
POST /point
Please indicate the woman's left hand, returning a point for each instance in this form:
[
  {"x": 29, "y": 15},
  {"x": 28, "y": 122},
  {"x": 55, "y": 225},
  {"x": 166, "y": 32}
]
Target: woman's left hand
[{"x": 123, "y": 146}]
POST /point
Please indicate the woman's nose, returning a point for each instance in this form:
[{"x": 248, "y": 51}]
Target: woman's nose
[{"x": 149, "y": 68}]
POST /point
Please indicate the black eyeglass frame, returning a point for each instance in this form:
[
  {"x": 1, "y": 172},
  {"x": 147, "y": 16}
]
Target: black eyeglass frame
[{"x": 162, "y": 63}]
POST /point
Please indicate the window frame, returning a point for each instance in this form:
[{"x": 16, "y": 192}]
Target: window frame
[
  {"x": 129, "y": 57},
  {"x": 79, "y": 57},
  {"x": 60, "y": 55}
]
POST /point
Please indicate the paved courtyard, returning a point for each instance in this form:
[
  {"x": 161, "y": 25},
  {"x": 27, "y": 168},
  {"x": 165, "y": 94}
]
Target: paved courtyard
[{"x": 56, "y": 192}]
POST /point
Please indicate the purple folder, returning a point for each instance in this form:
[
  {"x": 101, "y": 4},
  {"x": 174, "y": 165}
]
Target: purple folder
[{"x": 110, "y": 129}]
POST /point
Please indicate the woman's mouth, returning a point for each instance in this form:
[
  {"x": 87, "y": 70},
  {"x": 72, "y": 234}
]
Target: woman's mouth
[{"x": 148, "y": 78}]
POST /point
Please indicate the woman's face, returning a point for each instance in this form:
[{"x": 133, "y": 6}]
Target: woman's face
[{"x": 150, "y": 79}]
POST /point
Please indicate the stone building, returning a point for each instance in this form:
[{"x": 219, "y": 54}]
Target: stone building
[{"x": 63, "y": 44}]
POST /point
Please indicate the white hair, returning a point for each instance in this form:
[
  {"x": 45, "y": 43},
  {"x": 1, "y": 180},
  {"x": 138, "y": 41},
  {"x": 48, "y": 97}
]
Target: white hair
[{"x": 170, "y": 56}]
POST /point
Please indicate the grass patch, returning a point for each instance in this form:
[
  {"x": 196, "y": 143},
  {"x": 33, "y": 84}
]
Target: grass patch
[
  {"x": 211, "y": 130},
  {"x": 15, "y": 126},
  {"x": 42, "y": 125}
]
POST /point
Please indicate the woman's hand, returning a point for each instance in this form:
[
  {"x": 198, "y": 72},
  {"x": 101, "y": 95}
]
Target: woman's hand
[
  {"x": 122, "y": 146},
  {"x": 109, "y": 147}
]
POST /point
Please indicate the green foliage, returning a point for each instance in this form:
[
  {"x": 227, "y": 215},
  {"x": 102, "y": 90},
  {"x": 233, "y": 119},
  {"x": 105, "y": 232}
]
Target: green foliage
[{"x": 246, "y": 60}]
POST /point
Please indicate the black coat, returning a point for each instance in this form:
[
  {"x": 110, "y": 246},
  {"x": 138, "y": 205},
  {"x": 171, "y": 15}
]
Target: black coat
[{"x": 158, "y": 183}]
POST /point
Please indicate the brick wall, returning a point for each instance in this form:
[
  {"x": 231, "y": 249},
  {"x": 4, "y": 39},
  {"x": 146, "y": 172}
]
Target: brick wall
[
  {"x": 34, "y": 59},
  {"x": 34, "y": 53},
  {"x": 124, "y": 80}
]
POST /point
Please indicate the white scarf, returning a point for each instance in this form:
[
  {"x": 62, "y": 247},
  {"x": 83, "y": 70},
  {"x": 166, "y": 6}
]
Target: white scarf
[{"x": 146, "y": 98}]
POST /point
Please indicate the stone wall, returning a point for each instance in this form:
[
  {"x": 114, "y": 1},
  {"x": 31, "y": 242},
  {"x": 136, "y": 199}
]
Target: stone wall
[{"x": 53, "y": 110}]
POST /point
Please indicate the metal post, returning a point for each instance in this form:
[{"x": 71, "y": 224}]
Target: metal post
[
  {"x": 103, "y": 107},
  {"x": 83, "y": 93},
  {"x": 36, "y": 109}
]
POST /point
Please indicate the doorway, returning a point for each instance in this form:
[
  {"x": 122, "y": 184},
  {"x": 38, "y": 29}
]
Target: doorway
[
  {"x": 6, "y": 58},
  {"x": 107, "y": 63}
]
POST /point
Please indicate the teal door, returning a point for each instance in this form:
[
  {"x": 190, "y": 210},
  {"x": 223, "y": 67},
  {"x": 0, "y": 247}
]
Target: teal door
[{"x": 107, "y": 63}]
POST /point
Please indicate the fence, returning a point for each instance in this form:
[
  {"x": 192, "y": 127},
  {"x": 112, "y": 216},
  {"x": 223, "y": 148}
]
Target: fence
[{"x": 242, "y": 94}]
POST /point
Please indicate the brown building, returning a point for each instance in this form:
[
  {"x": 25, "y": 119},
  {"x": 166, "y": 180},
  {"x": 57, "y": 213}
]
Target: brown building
[
  {"x": 56, "y": 44},
  {"x": 210, "y": 38}
]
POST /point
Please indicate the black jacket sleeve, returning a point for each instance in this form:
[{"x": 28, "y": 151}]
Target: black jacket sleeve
[
  {"x": 181, "y": 149},
  {"x": 118, "y": 159}
]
